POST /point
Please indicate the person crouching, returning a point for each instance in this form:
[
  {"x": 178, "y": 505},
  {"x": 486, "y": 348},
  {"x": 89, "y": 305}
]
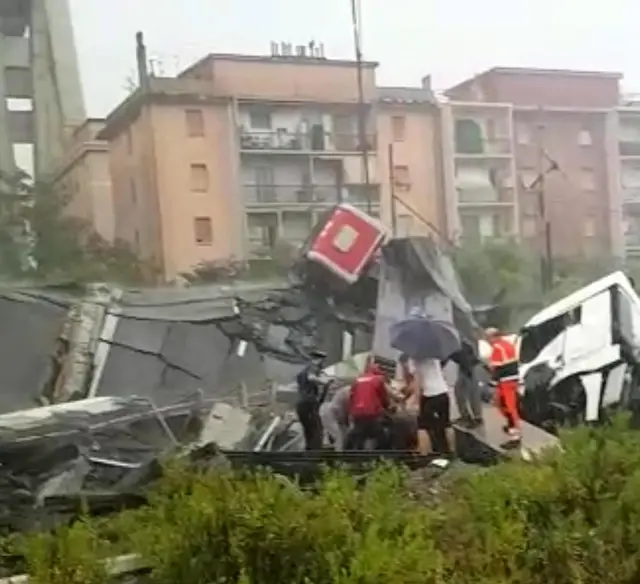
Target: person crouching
[
  {"x": 335, "y": 418},
  {"x": 368, "y": 403}
]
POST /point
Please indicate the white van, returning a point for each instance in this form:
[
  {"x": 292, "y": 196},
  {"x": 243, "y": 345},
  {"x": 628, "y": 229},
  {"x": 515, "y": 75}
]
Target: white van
[{"x": 579, "y": 355}]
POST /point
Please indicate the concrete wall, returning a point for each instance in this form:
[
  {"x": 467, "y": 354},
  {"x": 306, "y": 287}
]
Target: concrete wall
[
  {"x": 312, "y": 80},
  {"x": 86, "y": 175},
  {"x": 38, "y": 64},
  {"x": 419, "y": 152}
]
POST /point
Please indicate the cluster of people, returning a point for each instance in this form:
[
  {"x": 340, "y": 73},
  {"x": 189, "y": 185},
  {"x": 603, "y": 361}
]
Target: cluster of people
[{"x": 412, "y": 410}]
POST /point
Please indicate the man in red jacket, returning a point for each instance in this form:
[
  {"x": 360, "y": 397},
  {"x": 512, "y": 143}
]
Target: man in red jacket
[{"x": 368, "y": 402}]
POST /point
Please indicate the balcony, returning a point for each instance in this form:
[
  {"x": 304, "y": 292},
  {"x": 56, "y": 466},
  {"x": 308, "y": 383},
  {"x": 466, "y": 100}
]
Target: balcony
[
  {"x": 303, "y": 142},
  {"x": 303, "y": 196},
  {"x": 484, "y": 196},
  {"x": 483, "y": 148},
  {"x": 631, "y": 195},
  {"x": 632, "y": 242},
  {"x": 629, "y": 148}
]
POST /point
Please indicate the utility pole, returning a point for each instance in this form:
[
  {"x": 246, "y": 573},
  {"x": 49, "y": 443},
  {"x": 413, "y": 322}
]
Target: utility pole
[
  {"x": 362, "y": 106},
  {"x": 546, "y": 254},
  {"x": 392, "y": 192}
]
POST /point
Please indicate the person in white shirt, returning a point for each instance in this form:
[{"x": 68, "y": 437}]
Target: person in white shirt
[
  {"x": 335, "y": 417},
  {"x": 434, "y": 417}
]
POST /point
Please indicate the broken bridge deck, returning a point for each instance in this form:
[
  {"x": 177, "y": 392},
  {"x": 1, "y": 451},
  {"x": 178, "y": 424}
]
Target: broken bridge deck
[{"x": 492, "y": 436}]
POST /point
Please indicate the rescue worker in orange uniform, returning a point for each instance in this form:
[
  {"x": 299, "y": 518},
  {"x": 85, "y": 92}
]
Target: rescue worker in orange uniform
[{"x": 503, "y": 365}]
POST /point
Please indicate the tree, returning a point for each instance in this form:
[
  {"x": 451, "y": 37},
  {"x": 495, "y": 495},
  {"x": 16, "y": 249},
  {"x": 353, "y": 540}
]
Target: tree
[
  {"x": 40, "y": 238},
  {"x": 509, "y": 275}
]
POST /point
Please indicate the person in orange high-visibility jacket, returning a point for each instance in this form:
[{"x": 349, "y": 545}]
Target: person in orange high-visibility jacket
[{"x": 503, "y": 365}]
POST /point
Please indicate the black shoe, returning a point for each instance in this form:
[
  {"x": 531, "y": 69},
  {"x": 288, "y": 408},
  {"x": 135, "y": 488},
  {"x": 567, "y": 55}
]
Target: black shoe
[
  {"x": 476, "y": 423},
  {"x": 464, "y": 421}
]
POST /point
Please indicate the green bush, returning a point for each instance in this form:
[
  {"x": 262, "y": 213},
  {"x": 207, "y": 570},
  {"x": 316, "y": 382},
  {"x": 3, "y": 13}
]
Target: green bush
[{"x": 569, "y": 517}]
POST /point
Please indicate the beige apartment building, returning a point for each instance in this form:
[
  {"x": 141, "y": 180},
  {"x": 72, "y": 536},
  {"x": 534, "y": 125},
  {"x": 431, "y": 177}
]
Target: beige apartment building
[
  {"x": 85, "y": 175},
  {"x": 239, "y": 152}
]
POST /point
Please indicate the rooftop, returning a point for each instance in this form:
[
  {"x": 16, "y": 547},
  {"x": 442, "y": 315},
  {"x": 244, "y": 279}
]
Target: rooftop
[
  {"x": 165, "y": 90},
  {"x": 280, "y": 59},
  {"x": 406, "y": 95},
  {"x": 535, "y": 71}
]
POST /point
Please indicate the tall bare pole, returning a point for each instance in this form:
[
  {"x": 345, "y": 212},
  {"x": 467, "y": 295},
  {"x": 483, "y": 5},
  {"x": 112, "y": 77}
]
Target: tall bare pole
[
  {"x": 362, "y": 106},
  {"x": 392, "y": 192},
  {"x": 546, "y": 256}
]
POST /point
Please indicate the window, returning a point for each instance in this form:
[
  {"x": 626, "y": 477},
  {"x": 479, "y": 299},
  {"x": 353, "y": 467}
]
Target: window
[
  {"x": 397, "y": 128},
  {"x": 194, "y": 120},
  {"x": 529, "y": 227},
  {"x": 260, "y": 119},
  {"x": 523, "y": 134},
  {"x": 404, "y": 225},
  {"x": 133, "y": 191},
  {"x": 129, "y": 139},
  {"x": 203, "y": 230},
  {"x": 584, "y": 138},
  {"x": 589, "y": 227},
  {"x": 588, "y": 180},
  {"x": 199, "y": 178},
  {"x": 265, "y": 185},
  {"x": 401, "y": 176}
]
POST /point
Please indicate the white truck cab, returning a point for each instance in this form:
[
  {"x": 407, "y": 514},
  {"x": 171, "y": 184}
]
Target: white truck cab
[{"x": 579, "y": 356}]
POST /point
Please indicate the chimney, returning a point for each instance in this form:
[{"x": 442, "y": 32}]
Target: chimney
[
  {"x": 141, "y": 60},
  {"x": 426, "y": 82}
]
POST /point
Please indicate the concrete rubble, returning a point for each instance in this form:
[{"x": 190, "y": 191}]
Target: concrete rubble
[{"x": 98, "y": 385}]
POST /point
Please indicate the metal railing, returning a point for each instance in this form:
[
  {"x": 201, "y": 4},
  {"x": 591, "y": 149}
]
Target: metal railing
[
  {"x": 313, "y": 141},
  {"x": 628, "y": 148},
  {"x": 632, "y": 239},
  {"x": 484, "y": 147},
  {"x": 305, "y": 195},
  {"x": 482, "y": 195},
  {"x": 631, "y": 194}
]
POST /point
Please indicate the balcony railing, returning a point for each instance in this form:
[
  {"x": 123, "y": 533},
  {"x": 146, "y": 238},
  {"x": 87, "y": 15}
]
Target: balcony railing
[
  {"x": 631, "y": 195},
  {"x": 314, "y": 141},
  {"x": 632, "y": 239},
  {"x": 305, "y": 195},
  {"x": 484, "y": 147},
  {"x": 627, "y": 148},
  {"x": 484, "y": 196}
]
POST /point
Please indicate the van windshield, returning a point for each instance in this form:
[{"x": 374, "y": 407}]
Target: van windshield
[{"x": 534, "y": 339}]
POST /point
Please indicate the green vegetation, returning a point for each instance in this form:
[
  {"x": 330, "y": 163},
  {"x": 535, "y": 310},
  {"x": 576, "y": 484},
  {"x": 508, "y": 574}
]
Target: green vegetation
[
  {"x": 509, "y": 275},
  {"x": 41, "y": 240},
  {"x": 570, "y": 517}
]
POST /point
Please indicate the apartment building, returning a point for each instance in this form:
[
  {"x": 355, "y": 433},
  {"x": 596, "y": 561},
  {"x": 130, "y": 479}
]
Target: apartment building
[
  {"x": 506, "y": 127},
  {"x": 240, "y": 152},
  {"x": 478, "y": 153},
  {"x": 629, "y": 150},
  {"x": 85, "y": 176},
  {"x": 408, "y": 123}
]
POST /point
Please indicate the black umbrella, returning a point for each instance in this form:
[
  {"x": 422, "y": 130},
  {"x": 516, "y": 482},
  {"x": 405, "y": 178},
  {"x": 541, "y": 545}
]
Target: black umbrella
[{"x": 425, "y": 338}]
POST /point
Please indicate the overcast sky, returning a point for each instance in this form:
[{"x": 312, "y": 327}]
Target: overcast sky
[{"x": 450, "y": 39}]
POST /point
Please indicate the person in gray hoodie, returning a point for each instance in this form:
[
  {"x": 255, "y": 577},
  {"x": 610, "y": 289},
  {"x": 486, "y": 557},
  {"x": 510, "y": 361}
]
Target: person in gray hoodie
[{"x": 334, "y": 415}]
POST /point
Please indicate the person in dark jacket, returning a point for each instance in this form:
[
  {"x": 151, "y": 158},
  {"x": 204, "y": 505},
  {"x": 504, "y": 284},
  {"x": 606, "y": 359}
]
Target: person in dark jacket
[
  {"x": 467, "y": 390},
  {"x": 310, "y": 396},
  {"x": 368, "y": 403}
]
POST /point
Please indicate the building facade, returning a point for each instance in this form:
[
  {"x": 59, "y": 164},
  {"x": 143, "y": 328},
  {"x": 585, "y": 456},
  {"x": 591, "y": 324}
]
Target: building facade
[
  {"x": 629, "y": 151},
  {"x": 541, "y": 144},
  {"x": 85, "y": 177},
  {"x": 240, "y": 153},
  {"x": 40, "y": 93}
]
